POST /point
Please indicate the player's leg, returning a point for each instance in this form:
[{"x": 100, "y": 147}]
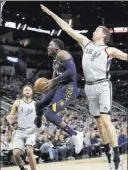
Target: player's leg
[
  {"x": 95, "y": 111},
  {"x": 105, "y": 142},
  {"x": 30, "y": 142},
  {"x": 17, "y": 158},
  {"x": 102, "y": 131},
  {"x": 94, "y": 108},
  {"x": 41, "y": 104},
  {"x": 18, "y": 146},
  {"x": 112, "y": 135},
  {"x": 32, "y": 161},
  {"x": 64, "y": 96},
  {"x": 110, "y": 129},
  {"x": 103, "y": 134},
  {"x": 105, "y": 101},
  {"x": 57, "y": 120}
]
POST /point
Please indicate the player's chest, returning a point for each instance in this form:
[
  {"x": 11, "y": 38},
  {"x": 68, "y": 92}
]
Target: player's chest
[
  {"x": 26, "y": 109},
  {"x": 94, "y": 55},
  {"x": 58, "y": 66}
]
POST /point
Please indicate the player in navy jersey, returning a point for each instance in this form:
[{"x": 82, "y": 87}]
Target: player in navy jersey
[{"x": 61, "y": 91}]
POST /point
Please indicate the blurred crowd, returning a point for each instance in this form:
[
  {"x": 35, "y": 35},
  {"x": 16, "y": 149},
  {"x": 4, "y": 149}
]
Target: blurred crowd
[
  {"x": 53, "y": 144},
  {"x": 120, "y": 91}
]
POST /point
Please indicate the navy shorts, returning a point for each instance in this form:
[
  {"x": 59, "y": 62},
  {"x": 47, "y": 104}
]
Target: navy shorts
[
  {"x": 60, "y": 97},
  {"x": 63, "y": 97}
]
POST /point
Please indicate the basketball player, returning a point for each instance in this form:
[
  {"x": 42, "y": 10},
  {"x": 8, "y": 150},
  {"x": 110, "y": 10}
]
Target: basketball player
[
  {"x": 96, "y": 57},
  {"x": 62, "y": 90},
  {"x": 24, "y": 111}
]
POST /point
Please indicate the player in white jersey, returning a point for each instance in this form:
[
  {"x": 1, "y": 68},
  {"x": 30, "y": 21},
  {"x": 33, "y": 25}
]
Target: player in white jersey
[
  {"x": 96, "y": 56},
  {"x": 23, "y": 111}
]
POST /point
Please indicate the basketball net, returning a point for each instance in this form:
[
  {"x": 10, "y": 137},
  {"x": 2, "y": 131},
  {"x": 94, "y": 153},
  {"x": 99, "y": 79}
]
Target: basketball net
[{"x": 1, "y": 8}]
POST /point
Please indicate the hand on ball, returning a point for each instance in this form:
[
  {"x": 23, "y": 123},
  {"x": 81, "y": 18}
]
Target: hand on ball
[{"x": 49, "y": 85}]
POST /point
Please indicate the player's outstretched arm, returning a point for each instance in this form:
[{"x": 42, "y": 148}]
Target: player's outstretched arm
[
  {"x": 83, "y": 40},
  {"x": 116, "y": 53}
]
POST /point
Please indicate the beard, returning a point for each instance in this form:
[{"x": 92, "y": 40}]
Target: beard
[{"x": 27, "y": 95}]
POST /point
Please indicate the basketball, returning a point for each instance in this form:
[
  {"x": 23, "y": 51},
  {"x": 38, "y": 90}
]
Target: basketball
[{"x": 39, "y": 85}]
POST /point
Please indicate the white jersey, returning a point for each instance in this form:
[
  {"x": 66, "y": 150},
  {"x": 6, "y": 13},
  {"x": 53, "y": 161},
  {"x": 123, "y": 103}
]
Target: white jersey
[
  {"x": 26, "y": 114},
  {"x": 95, "y": 62}
]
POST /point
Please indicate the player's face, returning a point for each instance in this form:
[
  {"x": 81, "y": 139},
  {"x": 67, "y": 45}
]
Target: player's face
[
  {"x": 52, "y": 48},
  {"x": 27, "y": 92},
  {"x": 98, "y": 34}
]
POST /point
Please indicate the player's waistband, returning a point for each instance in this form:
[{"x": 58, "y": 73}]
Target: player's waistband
[{"x": 96, "y": 82}]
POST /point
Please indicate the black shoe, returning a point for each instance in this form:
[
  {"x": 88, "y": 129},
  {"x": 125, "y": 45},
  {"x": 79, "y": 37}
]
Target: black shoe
[{"x": 118, "y": 163}]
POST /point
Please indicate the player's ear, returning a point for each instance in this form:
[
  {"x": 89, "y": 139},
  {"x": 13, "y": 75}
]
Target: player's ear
[{"x": 57, "y": 47}]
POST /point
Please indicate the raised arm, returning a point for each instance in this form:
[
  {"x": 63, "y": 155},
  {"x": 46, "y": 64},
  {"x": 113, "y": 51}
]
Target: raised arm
[
  {"x": 116, "y": 53},
  {"x": 83, "y": 40}
]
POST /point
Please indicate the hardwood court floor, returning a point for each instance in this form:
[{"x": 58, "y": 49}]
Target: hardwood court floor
[{"x": 84, "y": 164}]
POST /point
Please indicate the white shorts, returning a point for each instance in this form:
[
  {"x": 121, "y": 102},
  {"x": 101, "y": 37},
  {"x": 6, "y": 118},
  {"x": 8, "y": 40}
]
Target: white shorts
[
  {"x": 99, "y": 98},
  {"x": 20, "y": 140}
]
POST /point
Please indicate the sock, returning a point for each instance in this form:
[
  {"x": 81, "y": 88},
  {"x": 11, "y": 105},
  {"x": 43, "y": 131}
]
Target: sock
[
  {"x": 116, "y": 151},
  {"x": 70, "y": 131},
  {"x": 107, "y": 148}
]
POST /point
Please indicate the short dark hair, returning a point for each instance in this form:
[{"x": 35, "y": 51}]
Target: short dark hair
[
  {"x": 106, "y": 32},
  {"x": 59, "y": 43}
]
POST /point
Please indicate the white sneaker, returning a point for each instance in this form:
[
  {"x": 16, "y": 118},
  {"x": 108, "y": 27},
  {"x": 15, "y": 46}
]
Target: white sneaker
[
  {"x": 110, "y": 156},
  {"x": 78, "y": 142},
  {"x": 35, "y": 129}
]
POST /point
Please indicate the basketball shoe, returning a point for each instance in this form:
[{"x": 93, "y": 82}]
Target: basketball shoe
[
  {"x": 110, "y": 156},
  {"x": 118, "y": 162}
]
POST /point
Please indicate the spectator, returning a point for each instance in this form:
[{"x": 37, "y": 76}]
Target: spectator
[
  {"x": 87, "y": 145},
  {"x": 47, "y": 147},
  {"x": 96, "y": 148},
  {"x": 122, "y": 140}
]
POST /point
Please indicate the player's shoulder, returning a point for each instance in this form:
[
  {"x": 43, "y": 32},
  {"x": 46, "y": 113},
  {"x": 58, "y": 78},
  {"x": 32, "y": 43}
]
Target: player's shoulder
[
  {"x": 63, "y": 52},
  {"x": 88, "y": 43},
  {"x": 110, "y": 50},
  {"x": 17, "y": 102},
  {"x": 63, "y": 55}
]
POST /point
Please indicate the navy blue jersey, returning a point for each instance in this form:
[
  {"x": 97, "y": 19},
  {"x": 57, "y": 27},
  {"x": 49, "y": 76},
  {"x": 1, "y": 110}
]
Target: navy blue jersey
[{"x": 60, "y": 68}]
